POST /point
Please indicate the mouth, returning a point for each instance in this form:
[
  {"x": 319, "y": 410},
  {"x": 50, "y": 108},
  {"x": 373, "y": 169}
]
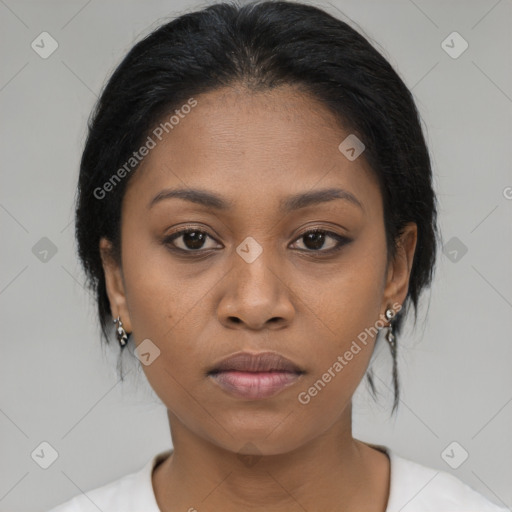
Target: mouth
[{"x": 255, "y": 376}]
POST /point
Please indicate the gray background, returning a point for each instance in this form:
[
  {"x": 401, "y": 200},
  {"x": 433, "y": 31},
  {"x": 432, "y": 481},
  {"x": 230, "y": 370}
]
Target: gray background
[{"x": 56, "y": 383}]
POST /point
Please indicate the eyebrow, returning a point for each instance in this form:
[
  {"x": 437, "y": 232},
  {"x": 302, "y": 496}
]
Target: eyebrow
[{"x": 287, "y": 205}]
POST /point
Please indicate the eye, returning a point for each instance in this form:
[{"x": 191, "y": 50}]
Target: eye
[
  {"x": 191, "y": 240},
  {"x": 315, "y": 239}
]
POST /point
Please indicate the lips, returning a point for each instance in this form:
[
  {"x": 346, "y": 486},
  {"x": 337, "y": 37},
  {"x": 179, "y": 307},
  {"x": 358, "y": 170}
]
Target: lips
[
  {"x": 255, "y": 376},
  {"x": 262, "y": 362}
]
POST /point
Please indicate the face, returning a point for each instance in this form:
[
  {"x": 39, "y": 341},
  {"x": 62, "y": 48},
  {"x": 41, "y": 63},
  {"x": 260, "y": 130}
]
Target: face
[{"x": 280, "y": 267}]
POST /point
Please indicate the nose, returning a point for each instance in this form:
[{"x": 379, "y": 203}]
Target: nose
[{"x": 255, "y": 296}]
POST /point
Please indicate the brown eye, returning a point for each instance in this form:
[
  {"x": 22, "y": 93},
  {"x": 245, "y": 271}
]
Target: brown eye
[
  {"x": 191, "y": 240},
  {"x": 316, "y": 240}
]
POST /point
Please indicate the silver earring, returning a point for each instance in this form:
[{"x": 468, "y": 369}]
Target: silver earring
[
  {"x": 122, "y": 337},
  {"x": 391, "y": 339},
  {"x": 390, "y": 336}
]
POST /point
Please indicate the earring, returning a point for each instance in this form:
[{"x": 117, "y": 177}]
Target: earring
[
  {"x": 391, "y": 339},
  {"x": 390, "y": 336},
  {"x": 122, "y": 337}
]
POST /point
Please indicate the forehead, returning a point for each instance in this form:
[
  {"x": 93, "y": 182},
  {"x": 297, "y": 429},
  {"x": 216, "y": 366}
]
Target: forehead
[{"x": 254, "y": 145}]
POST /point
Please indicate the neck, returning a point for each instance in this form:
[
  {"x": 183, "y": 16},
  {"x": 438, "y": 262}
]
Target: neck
[{"x": 331, "y": 472}]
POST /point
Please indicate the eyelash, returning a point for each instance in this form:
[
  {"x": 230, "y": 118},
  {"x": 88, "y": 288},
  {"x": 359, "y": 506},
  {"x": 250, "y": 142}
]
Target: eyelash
[{"x": 342, "y": 240}]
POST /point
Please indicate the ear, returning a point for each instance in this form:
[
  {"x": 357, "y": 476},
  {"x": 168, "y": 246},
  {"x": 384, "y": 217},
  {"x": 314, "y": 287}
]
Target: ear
[
  {"x": 114, "y": 283},
  {"x": 399, "y": 270}
]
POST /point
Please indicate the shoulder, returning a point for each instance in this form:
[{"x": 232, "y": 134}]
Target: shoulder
[
  {"x": 418, "y": 488},
  {"x": 132, "y": 492},
  {"x": 106, "y": 498}
]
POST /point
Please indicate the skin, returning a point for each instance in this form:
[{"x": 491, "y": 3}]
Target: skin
[{"x": 256, "y": 149}]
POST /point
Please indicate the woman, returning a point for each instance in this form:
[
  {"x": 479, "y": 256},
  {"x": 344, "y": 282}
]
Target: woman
[{"x": 255, "y": 205}]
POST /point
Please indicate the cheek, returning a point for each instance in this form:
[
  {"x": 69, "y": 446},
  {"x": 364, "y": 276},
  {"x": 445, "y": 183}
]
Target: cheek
[
  {"x": 167, "y": 307},
  {"x": 344, "y": 326},
  {"x": 158, "y": 293},
  {"x": 340, "y": 358},
  {"x": 344, "y": 303}
]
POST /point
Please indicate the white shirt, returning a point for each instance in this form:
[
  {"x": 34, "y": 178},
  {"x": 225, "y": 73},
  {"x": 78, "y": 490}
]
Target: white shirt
[{"x": 413, "y": 488}]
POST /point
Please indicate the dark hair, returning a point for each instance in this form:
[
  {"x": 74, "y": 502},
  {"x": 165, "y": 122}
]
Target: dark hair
[{"x": 260, "y": 45}]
